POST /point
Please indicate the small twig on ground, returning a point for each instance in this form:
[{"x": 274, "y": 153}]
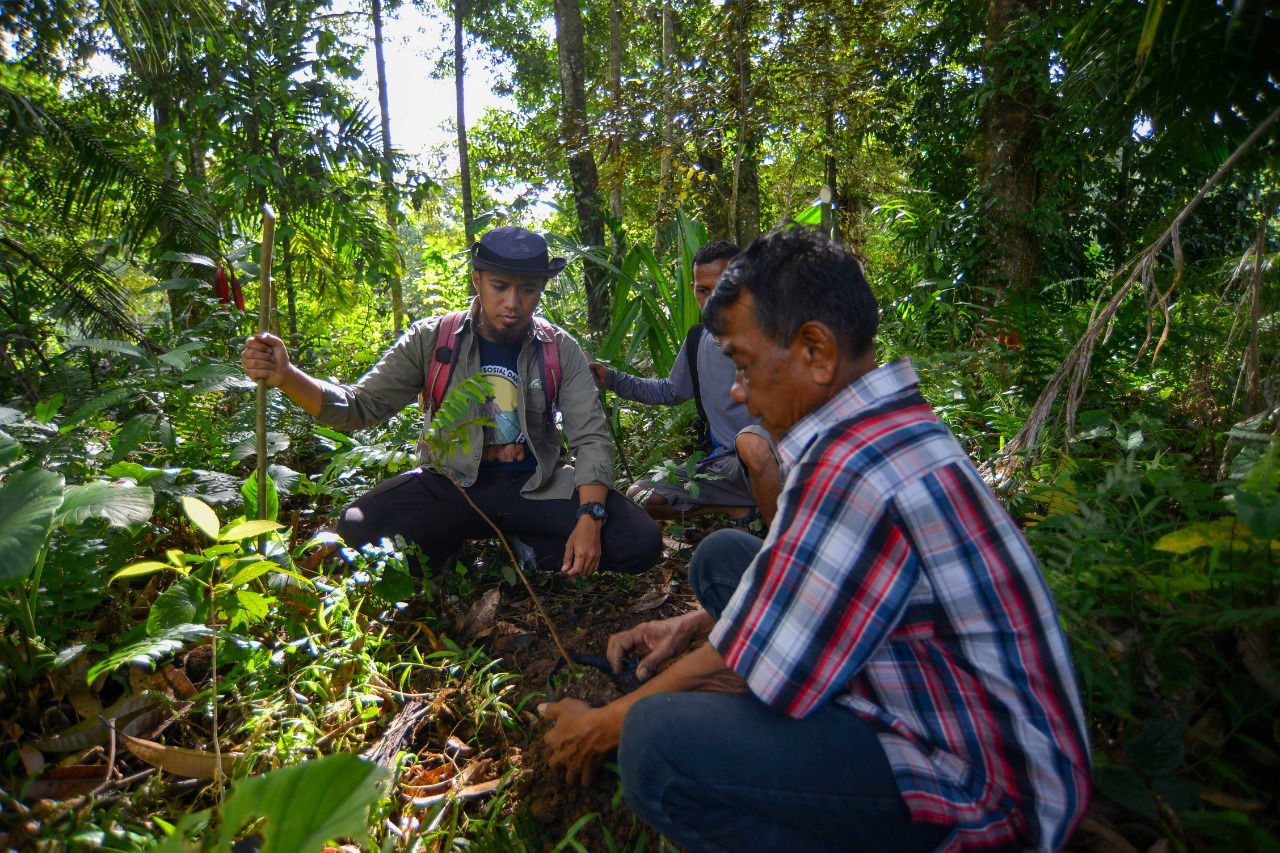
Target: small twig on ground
[
  {"x": 111, "y": 754},
  {"x": 515, "y": 562}
]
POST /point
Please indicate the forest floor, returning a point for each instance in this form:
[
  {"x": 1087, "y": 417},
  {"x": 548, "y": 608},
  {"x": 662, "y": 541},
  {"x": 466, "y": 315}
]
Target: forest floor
[{"x": 472, "y": 767}]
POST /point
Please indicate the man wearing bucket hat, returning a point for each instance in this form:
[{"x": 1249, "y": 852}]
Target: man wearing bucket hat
[{"x": 512, "y": 469}]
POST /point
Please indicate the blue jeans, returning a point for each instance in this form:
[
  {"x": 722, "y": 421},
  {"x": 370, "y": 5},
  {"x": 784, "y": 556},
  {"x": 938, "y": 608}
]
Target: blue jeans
[{"x": 724, "y": 771}]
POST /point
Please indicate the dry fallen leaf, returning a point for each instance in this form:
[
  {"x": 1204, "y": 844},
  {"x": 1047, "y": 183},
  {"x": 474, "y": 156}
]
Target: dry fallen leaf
[
  {"x": 455, "y": 746},
  {"x": 63, "y": 782},
  {"x": 191, "y": 763},
  {"x": 32, "y": 760},
  {"x": 650, "y": 601},
  {"x": 481, "y": 615},
  {"x": 92, "y": 732}
]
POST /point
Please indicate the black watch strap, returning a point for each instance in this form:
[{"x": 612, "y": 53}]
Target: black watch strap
[{"x": 595, "y": 509}]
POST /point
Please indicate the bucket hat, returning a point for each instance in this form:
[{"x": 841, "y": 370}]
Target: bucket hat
[{"x": 514, "y": 249}]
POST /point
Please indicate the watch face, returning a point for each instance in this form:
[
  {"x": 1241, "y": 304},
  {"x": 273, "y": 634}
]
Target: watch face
[{"x": 595, "y": 510}]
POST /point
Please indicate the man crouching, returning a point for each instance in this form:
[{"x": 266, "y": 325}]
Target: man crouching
[{"x": 886, "y": 670}]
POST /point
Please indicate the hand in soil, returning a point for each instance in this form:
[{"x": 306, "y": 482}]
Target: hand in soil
[
  {"x": 581, "y": 737},
  {"x": 658, "y": 641}
]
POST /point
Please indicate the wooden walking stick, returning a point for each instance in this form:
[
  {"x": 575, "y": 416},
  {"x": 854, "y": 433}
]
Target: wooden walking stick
[{"x": 264, "y": 325}]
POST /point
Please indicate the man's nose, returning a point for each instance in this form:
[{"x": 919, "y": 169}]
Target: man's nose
[{"x": 738, "y": 393}]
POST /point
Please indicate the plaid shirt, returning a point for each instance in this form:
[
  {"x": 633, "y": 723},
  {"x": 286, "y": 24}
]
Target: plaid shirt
[{"x": 894, "y": 583}]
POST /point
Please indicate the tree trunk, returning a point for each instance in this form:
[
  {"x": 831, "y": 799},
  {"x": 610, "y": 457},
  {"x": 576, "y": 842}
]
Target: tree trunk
[
  {"x": 388, "y": 170},
  {"x": 666, "y": 132},
  {"x": 1011, "y": 125},
  {"x": 464, "y": 158},
  {"x": 582, "y": 165},
  {"x": 746, "y": 162},
  {"x": 615, "y": 94}
]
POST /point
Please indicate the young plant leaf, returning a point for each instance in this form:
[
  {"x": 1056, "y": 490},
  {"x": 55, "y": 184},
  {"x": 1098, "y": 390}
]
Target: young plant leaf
[
  {"x": 251, "y": 571},
  {"x": 250, "y": 492},
  {"x": 250, "y": 529},
  {"x": 202, "y": 516},
  {"x": 146, "y": 567},
  {"x": 184, "y": 602}
]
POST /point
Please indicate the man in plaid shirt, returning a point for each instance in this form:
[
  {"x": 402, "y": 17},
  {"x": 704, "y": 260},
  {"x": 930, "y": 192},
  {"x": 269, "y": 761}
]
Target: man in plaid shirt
[{"x": 886, "y": 671}]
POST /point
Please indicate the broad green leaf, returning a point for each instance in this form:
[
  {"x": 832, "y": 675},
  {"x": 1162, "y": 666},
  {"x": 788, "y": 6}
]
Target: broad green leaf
[
  {"x": 284, "y": 478},
  {"x": 255, "y": 604},
  {"x": 180, "y": 357},
  {"x": 140, "y": 474},
  {"x": 186, "y": 601},
  {"x": 250, "y": 492},
  {"x": 307, "y": 804},
  {"x": 120, "y": 505},
  {"x": 188, "y": 258},
  {"x": 203, "y": 516},
  {"x": 132, "y": 434},
  {"x": 1204, "y": 534},
  {"x": 249, "y": 529},
  {"x": 10, "y": 449},
  {"x": 251, "y": 571},
  {"x": 170, "y": 640},
  {"x": 46, "y": 409},
  {"x": 1259, "y": 513},
  {"x": 29, "y": 500},
  {"x": 114, "y": 397},
  {"x": 215, "y": 377},
  {"x": 276, "y": 442},
  {"x": 122, "y": 347},
  {"x": 137, "y": 570}
]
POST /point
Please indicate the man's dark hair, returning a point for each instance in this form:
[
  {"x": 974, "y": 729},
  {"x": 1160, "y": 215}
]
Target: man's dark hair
[
  {"x": 797, "y": 275},
  {"x": 714, "y": 251}
]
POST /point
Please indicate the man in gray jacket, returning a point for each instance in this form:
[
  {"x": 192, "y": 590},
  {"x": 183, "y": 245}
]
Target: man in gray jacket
[
  {"x": 513, "y": 469},
  {"x": 740, "y": 471}
]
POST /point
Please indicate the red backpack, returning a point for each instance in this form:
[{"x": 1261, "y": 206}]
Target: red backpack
[{"x": 447, "y": 353}]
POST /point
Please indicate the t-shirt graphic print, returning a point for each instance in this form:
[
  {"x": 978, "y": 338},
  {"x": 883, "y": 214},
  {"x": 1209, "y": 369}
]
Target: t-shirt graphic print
[{"x": 502, "y": 407}]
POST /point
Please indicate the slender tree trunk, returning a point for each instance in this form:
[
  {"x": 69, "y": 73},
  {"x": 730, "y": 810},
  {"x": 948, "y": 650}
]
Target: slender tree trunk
[
  {"x": 582, "y": 165},
  {"x": 615, "y": 93},
  {"x": 1011, "y": 126},
  {"x": 666, "y": 124},
  {"x": 746, "y": 163},
  {"x": 388, "y": 172},
  {"x": 464, "y": 158}
]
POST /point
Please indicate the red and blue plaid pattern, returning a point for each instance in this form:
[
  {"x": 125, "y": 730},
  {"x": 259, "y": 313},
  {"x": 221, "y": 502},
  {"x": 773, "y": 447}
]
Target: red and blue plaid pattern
[{"x": 894, "y": 583}]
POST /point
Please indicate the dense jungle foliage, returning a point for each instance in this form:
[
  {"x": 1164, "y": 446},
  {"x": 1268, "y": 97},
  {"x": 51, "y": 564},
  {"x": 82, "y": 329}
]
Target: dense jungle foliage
[{"x": 1067, "y": 211}]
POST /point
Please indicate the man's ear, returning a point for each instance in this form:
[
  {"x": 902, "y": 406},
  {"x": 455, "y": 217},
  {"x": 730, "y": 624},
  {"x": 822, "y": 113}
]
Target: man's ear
[
  {"x": 818, "y": 350},
  {"x": 475, "y": 279}
]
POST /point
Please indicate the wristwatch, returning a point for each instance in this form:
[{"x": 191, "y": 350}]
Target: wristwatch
[{"x": 595, "y": 509}]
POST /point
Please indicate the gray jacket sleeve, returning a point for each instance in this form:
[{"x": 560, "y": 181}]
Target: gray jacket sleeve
[
  {"x": 386, "y": 389},
  {"x": 585, "y": 426},
  {"x": 676, "y": 388}
]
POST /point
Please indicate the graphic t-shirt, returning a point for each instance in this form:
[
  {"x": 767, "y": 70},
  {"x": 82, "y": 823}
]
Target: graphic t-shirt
[{"x": 499, "y": 362}]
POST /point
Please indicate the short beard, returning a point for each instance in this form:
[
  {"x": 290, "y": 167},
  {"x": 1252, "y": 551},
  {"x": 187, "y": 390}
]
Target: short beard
[{"x": 492, "y": 333}]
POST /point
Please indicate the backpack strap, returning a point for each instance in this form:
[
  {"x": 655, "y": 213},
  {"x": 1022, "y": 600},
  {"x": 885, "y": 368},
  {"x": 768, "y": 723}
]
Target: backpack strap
[
  {"x": 692, "y": 339},
  {"x": 443, "y": 359},
  {"x": 552, "y": 372}
]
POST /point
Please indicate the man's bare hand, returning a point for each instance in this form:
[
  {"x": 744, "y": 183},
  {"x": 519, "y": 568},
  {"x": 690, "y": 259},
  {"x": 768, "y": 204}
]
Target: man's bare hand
[
  {"x": 658, "y": 641},
  {"x": 582, "y": 549},
  {"x": 264, "y": 357},
  {"x": 581, "y": 737},
  {"x": 599, "y": 372}
]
